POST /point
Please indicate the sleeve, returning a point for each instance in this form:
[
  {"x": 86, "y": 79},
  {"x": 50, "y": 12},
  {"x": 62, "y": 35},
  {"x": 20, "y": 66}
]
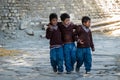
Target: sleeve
[
  {"x": 91, "y": 42},
  {"x": 49, "y": 32},
  {"x": 59, "y": 25},
  {"x": 75, "y": 26},
  {"x": 76, "y": 32}
]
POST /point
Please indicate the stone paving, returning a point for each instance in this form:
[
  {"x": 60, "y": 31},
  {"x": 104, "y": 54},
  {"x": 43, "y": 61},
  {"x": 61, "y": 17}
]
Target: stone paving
[{"x": 34, "y": 63}]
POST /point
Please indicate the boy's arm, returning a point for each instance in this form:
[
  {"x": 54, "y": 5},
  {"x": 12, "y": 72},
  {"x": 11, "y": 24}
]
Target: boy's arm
[
  {"x": 73, "y": 25},
  {"x": 76, "y": 32},
  {"x": 49, "y": 32},
  {"x": 91, "y": 42},
  {"x": 75, "y": 35},
  {"x": 76, "y": 29},
  {"x": 59, "y": 26}
]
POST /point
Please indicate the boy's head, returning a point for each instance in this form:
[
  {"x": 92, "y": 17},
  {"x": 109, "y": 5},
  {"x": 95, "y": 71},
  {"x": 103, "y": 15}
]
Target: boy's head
[
  {"x": 86, "y": 21},
  {"x": 65, "y": 18},
  {"x": 53, "y": 18}
]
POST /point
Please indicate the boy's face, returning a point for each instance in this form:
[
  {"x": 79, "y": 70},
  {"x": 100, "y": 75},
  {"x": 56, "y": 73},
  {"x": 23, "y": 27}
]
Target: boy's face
[
  {"x": 66, "y": 21},
  {"x": 87, "y": 24},
  {"x": 54, "y": 21}
]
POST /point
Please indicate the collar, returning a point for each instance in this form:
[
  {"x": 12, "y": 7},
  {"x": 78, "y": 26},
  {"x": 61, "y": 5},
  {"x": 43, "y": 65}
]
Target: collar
[{"x": 85, "y": 28}]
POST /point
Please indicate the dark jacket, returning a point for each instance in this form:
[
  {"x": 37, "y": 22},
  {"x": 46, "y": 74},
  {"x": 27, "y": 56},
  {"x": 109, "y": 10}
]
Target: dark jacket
[
  {"x": 85, "y": 37},
  {"x": 67, "y": 32},
  {"x": 54, "y": 36}
]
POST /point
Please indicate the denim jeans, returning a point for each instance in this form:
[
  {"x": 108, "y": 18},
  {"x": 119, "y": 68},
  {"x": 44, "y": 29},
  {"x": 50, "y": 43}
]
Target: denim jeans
[
  {"x": 84, "y": 56},
  {"x": 57, "y": 58},
  {"x": 69, "y": 56}
]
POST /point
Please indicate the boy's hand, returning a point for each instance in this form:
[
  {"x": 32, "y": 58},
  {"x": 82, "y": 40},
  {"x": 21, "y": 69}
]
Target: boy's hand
[
  {"x": 80, "y": 41},
  {"x": 74, "y": 30},
  {"x": 49, "y": 26},
  {"x": 93, "y": 49}
]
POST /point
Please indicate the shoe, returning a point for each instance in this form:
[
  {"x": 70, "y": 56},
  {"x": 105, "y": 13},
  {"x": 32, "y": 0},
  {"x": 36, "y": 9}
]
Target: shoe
[
  {"x": 77, "y": 70},
  {"x": 69, "y": 72},
  {"x": 55, "y": 70},
  {"x": 87, "y": 72}
]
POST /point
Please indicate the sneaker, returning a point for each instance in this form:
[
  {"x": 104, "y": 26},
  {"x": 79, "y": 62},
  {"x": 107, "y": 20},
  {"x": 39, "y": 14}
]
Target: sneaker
[
  {"x": 87, "y": 72},
  {"x": 69, "y": 72},
  {"x": 55, "y": 70}
]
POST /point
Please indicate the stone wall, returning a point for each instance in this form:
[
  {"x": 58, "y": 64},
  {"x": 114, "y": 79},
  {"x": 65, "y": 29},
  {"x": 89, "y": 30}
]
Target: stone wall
[
  {"x": 12, "y": 12},
  {"x": 16, "y": 13}
]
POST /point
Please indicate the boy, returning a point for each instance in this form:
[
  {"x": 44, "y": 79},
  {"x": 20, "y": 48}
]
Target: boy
[
  {"x": 56, "y": 50},
  {"x": 84, "y": 43},
  {"x": 67, "y": 29}
]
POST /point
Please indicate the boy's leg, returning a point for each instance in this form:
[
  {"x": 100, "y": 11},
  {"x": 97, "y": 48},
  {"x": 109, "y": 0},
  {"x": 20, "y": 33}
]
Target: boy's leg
[
  {"x": 60, "y": 59},
  {"x": 67, "y": 57},
  {"x": 53, "y": 59},
  {"x": 80, "y": 58},
  {"x": 88, "y": 60},
  {"x": 73, "y": 55}
]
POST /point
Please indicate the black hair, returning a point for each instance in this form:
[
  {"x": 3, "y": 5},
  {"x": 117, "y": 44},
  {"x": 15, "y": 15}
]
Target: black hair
[
  {"x": 64, "y": 16},
  {"x": 52, "y": 16},
  {"x": 85, "y": 19}
]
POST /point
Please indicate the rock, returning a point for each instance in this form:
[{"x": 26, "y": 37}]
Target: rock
[
  {"x": 0, "y": 46},
  {"x": 3, "y": 27},
  {"x": 12, "y": 37},
  {"x": 24, "y": 25},
  {"x": 30, "y": 32},
  {"x": 7, "y": 31},
  {"x": 13, "y": 33},
  {"x": 45, "y": 27},
  {"x": 42, "y": 36}
]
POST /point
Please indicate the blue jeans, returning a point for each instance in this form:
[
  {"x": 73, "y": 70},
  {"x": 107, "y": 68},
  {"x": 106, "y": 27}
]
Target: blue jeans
[
  {"x": 57, "y": 58},
  {"x": 84, "y": 56},
  {"x": 69, "y": 56}
]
